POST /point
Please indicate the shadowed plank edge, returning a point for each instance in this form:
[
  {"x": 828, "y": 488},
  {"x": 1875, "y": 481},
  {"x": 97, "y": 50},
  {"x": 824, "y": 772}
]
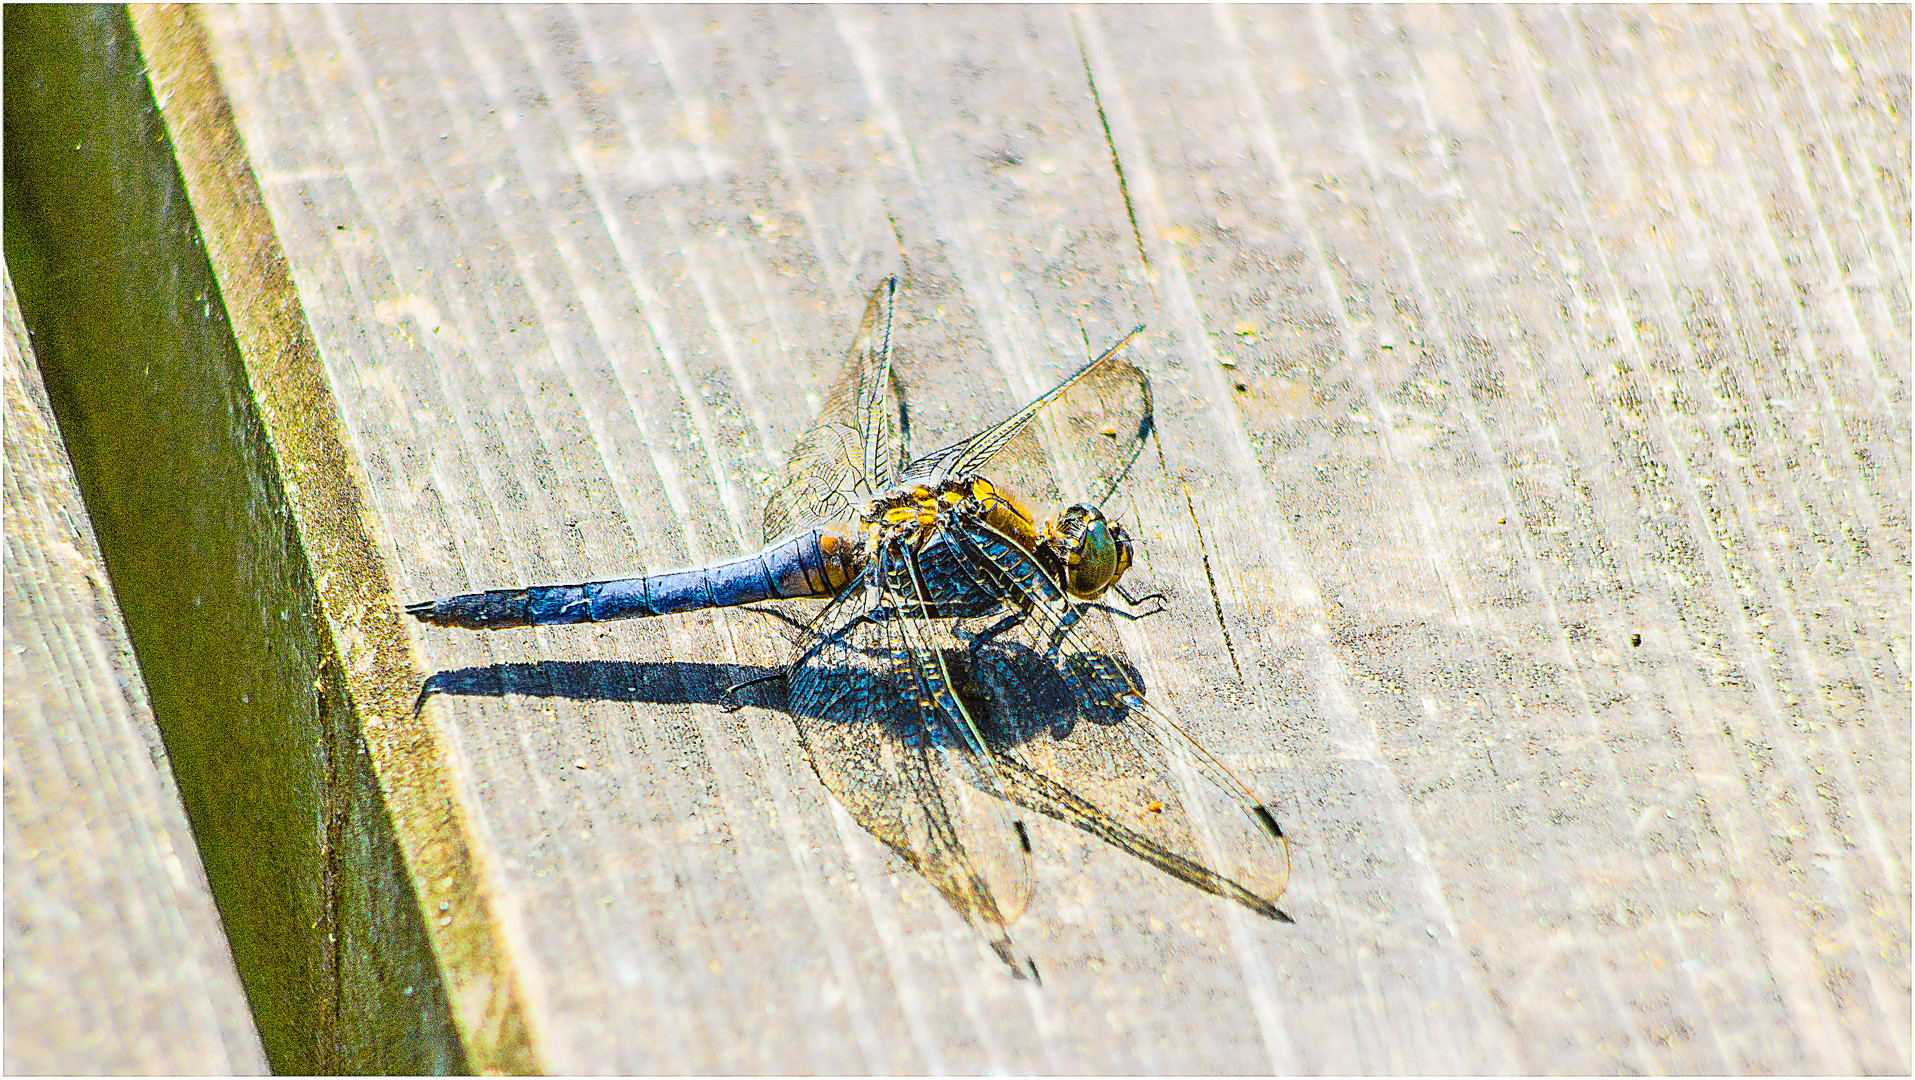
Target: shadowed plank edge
[{"x": 373, "y": 664}]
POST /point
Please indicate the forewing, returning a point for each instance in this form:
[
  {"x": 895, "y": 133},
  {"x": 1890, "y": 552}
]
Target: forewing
[
  {"x": 1077, "y": 739},
  {"x": 876, "y": 737},
  {"x": 853, "y": 449},
  {"x": 1073, "y": 444}
]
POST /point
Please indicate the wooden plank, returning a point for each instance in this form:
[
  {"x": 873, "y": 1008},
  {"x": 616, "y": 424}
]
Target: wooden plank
[
  {"x": 1531, "y": 496},
  {"x": 179, "y": 395},
  {"x": 116, "y": 962}
]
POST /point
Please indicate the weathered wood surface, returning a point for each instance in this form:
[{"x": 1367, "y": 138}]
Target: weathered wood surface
[
  {"x": 183, "y": 376},
  {"x": 115, "y": 958},
  {"x": 1532, "y": 496}
]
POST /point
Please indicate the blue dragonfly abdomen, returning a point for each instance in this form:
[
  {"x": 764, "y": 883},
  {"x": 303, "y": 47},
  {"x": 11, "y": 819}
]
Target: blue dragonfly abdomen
[{"x": 818, "y": 561}]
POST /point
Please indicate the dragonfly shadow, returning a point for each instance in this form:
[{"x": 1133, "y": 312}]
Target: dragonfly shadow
[
  {"x": 1012, "y": 693},
  {"x": 674, "y": 683}
]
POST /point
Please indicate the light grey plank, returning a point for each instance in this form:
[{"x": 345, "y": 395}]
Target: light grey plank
[
  {"x": 1485, "y": 341},
  {"x": 115, "y": 958}
]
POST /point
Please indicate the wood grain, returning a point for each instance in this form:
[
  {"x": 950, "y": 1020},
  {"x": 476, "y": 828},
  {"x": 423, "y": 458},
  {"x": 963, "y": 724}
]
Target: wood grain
[
  {"x": 389, "y": 959},
  {"x": 1531, "y": 493},
  {"x": 116, "y": 961}
]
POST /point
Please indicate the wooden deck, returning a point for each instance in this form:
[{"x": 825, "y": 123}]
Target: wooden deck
[
  {"x": 116, "y": 961},
  {"x": 1531, "y": 492}
]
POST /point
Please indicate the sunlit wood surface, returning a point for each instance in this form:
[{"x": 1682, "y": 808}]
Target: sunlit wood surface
[
  {"x": 116, "y": 962},
  {"x": 1531, "y": 494}
]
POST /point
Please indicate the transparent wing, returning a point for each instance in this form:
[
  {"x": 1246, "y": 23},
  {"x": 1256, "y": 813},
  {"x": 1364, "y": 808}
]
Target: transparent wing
[
  {"x": 1074, "y": 444},
  {"x": 853, "y": 449},
  {"x": 1076, "y": 739},
  {"x": 872, "y": 715}
]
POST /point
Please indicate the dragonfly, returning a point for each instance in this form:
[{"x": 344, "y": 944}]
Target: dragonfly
[{"x": 956, "y": 665}]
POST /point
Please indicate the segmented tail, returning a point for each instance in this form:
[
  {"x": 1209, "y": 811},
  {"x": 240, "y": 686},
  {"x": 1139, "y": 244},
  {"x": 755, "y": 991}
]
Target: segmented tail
[{"x": 500, "y": 609}]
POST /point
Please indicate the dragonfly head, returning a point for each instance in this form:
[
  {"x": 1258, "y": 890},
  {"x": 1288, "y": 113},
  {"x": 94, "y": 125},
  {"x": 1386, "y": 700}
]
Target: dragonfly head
[{"x": 1088, "y": 551}]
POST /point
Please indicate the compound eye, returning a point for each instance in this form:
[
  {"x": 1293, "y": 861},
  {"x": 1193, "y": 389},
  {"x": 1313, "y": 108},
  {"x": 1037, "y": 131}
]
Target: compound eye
[{"x": 1094, "y": 552}]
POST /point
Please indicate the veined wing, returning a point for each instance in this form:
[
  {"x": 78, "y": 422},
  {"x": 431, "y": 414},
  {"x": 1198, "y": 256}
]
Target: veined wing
[
  {"x": 1076, "y": 739},
  {"x": 1093, "y": 423},
  {"x": 873, "y": 722},
  {"x": 854, "y": 449}
]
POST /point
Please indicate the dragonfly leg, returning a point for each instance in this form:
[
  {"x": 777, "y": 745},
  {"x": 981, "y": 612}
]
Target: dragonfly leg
[
  {"x": 1066, "y": 622},
  {"x": 775, "y": 612},
  {"x": 873, "y": 616},
  {"x": 1133, "y": 616},
  {"x": 1137, "y": 601},
  {"x": 984, "y": 636},
  {"x": 728, "y": 700}
]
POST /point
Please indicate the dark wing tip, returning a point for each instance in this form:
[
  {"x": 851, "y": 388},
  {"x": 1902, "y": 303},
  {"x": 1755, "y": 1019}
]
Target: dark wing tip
[
  {"x": 1269, "y": 821},
  {"x": 1020, "y": 963}
]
